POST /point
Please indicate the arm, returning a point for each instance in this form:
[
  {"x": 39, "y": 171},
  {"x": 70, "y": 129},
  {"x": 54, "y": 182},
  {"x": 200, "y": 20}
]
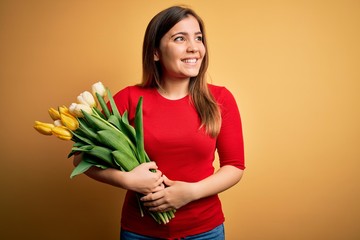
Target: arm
[
  {"x": 178, "y": 193},
  {"x": 226, "y": 177},
  {"x": 140, "y": 179}
]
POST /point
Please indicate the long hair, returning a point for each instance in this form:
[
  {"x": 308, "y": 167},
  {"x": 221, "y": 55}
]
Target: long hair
[{"x": 206, "y": 107}]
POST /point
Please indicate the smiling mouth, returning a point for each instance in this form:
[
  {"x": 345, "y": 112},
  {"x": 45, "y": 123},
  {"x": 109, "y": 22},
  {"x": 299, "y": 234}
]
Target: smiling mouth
[{"x": 189, "y": 60}]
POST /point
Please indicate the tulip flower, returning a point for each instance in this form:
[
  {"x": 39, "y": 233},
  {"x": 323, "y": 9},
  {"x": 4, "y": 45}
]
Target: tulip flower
[
  {"x": 98, "y": 88},
  {"x": 72, "y": 108},
  {"x": 64, "y": 109},
  {"x": 87, "y": 98},
  {"x": 104, "y": 135},
  {"x": 62, "y": 133},
  {"x": 54, "y": 114},
  {"x": 58, "y": 123},
  {"x": 77, "y": 108},
  {"x": 44, "y": 128},
  {"x": 69, "y": 121}
]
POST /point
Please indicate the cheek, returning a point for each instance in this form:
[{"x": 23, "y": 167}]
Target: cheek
[
  {"x": 168, "y": 54},
  {"x": 203, "y": 51}
]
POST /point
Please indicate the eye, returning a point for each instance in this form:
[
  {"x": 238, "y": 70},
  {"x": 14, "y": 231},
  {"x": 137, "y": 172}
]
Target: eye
[
  {"x": 199, "y": 38},
  {"x": 179, "y": 39}
]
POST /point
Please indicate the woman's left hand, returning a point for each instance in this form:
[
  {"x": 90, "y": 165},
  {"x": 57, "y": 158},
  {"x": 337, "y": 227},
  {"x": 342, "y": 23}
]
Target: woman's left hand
[{"x": 175, "y": 195}]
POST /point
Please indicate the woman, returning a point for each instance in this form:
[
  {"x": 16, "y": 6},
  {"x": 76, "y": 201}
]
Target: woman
[{"x": 185, "y": 121}]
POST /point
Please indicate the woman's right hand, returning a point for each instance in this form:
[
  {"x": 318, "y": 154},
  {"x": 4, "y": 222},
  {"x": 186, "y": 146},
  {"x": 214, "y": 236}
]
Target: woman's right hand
[{"x": 144, "y": 181}]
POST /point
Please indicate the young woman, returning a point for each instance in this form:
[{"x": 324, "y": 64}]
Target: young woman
[{"x": 185, "y": 121}]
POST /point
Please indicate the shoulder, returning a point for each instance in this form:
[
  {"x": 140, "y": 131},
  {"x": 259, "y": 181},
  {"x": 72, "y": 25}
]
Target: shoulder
[
  {"x": 128, "y": 97},
  {"x": 220, "y": 93},
  {"x": 224, "y": 98},
  {"x": 133, "y": 92},
  {"x": 130, "y": 90}
]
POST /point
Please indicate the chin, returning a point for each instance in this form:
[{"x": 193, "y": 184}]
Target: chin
[{"x": 193, "y": 73}]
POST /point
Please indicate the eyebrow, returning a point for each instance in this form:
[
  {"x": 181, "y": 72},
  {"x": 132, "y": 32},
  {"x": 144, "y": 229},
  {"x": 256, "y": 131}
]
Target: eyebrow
[{"x": 185, "y": 33}]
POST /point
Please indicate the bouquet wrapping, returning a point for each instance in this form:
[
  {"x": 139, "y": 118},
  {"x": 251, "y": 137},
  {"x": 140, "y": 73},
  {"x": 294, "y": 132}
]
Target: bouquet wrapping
[{"x": 105, "y": 138}]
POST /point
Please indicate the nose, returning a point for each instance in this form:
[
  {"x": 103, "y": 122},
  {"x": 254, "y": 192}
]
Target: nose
[{"x": 192, "y": 47}]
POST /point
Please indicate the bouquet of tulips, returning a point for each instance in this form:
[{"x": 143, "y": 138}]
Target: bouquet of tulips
[{"x": 103, "y": 135}]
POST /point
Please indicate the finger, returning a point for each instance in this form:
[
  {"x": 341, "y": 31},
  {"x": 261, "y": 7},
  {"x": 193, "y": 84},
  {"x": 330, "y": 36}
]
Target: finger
[
  {"x": 167, "y": 181},
  {"x": 150, "y": 197},
  {"x": 158, "y": 175},
  {"x": 161, "y": 208},
  {"x": 158, "y": 188},
  {"x": 155, "y": 203},
  {"x": 168, "y": 209},
  {"x": 151, "y": 165},
  {"x": 147, "y": 197},
  {"x": 159, "y": 181}
]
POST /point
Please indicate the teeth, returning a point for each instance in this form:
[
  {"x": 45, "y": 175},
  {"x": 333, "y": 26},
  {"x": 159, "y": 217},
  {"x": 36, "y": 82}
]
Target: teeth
[{"x": 190, "y": 60}]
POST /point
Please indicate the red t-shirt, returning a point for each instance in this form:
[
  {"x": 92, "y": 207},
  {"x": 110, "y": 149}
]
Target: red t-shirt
[{"x": 182, "y": 152}]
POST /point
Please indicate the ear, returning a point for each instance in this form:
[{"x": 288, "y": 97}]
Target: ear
[{"x": 156, "y": 56}]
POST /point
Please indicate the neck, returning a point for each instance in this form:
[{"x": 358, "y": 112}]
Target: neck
[{"x": 174, "y": 89}]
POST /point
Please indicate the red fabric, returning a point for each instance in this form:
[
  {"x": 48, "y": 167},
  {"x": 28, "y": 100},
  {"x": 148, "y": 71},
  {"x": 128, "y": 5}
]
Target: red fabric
[{"x": 182, "y": 152}]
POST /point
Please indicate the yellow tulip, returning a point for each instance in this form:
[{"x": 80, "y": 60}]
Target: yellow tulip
[
  {"x": 44, "y": 128},
  {"x": 64, "y": 109},
  {"x": 69, "y": 121},
  {"x": 54, "y": 114},
  {"x": 62, "y": 133}
]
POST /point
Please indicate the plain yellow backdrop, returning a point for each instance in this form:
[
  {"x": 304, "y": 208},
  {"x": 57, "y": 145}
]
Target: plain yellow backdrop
[{"x": 293, "y": 67}]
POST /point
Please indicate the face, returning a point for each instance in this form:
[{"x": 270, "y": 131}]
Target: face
[{"x": 181, "y": 50}]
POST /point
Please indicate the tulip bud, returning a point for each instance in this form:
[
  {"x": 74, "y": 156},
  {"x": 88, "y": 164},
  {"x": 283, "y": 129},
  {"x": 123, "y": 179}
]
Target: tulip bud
[
  {"x": 54, "y": 114},
  {"x": 62, "y": 133},
  {"x": 77, "y": 108},
  {"x": 69, "y": 121},
  {"x": 64, "y": 109},
  {"x": 58, "y": 123},
  {"x": 72, "y": 108},
  {"x": 44, "y": 128},
  {"x": 98, "y": 88},
  {"x": 86, "y": 98}
]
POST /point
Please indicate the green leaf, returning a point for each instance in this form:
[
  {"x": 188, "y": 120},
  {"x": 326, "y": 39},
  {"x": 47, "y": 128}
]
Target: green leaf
[
  {"x": 114, "y": 121},
  {"x": 113, "y": 106},
  {"x": 76, "y": 145},
  {"x": 97, "y": 122},
  {"x": 103, "y": 105},
  {"x": 125, "y": 117},
  {"x": 86, "y": 130},
  {"x": 81, "y": 138},
  {"x": 115, "y": 140},
  {"x": 129, "y": 131},
  {"x": 82, "y": 167},
  {"x": 71, "y": 154},
  {"x": 127, "y": 161},
  {"x": 102, "y": 155},
  {"x": 99, "y": 113},
  {"x": 84, "y": 148},
  {"x": 85, "y": 164},
  {"x": 139, "y": 131}
]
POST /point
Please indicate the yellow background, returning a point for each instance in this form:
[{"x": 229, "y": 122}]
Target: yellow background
[{"x": 293, "y": 67}]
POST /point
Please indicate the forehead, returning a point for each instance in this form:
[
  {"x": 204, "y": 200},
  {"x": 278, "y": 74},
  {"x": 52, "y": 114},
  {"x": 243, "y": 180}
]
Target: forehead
[{"x": 188, "y": 25}]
